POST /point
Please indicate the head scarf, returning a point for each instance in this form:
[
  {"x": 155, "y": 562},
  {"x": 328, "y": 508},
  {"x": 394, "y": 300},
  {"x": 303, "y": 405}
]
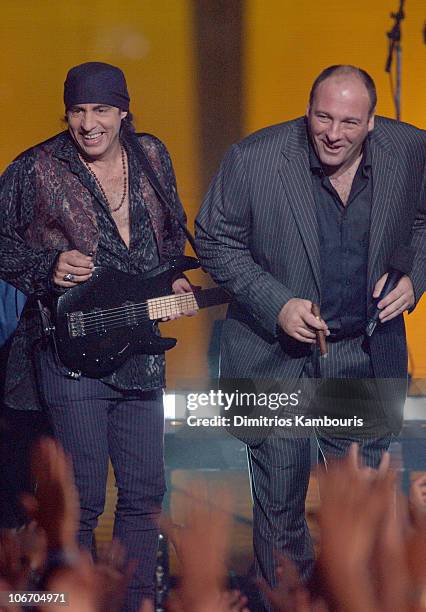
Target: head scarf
[{"x": 96, "y": 83}]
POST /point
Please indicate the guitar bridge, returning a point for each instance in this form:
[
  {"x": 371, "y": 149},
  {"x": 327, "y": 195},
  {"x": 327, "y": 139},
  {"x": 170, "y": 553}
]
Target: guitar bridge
[{"x": 76, "y": 324}]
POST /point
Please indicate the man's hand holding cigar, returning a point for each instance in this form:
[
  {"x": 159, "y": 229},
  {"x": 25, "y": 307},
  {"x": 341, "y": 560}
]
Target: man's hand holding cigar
[{"x": 296, "y": 318}]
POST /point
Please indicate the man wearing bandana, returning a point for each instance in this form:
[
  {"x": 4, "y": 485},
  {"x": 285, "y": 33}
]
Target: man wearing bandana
[{"x": 76, "y": 201}]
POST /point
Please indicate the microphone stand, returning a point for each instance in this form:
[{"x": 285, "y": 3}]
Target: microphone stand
[{"x": 394, "y": 36}]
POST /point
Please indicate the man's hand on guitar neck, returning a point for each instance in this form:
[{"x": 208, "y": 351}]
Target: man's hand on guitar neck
[
  {"x": 72, "y": 267},
  {"x": 181, "y": 285}
]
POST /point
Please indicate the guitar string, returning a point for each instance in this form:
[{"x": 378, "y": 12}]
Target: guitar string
[
  {"x": 157, "y": 303},
  {"x": 123, "y": 315},
  {"x": 153, "y": 301},
  {"x": 118, "y": 322},
  {"x": 134, "y": 314},
  {"x": 110, "y": 326},
  {"x": 95, "y": 320},
  {"x": 130, "y": 309}
]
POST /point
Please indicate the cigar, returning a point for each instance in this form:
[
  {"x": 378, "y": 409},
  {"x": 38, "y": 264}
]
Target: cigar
[{"x": 315, "y": 309}]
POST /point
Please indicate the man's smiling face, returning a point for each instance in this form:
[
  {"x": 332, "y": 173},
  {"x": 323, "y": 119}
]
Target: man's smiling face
[
  {"x": 339, "y": 120},
  {"x": 95, "y": 128}
]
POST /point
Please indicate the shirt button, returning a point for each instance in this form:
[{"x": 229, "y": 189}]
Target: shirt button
[{"x": 348, "y": 282}]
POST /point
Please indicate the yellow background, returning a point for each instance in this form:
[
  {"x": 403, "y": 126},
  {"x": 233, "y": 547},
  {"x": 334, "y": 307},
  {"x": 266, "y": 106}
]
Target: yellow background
[{"x": 286, "y": 44}]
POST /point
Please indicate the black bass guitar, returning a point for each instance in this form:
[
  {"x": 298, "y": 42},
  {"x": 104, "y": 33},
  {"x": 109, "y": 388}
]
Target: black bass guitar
[{"x": 113, "y": 315}]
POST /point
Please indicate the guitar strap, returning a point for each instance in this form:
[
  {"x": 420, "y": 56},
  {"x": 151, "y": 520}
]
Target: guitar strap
[{"x": 156, "y": 185}]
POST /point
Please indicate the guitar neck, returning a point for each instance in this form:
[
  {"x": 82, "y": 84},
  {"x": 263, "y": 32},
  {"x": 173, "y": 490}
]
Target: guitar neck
[{"x": 175, "y": 304}]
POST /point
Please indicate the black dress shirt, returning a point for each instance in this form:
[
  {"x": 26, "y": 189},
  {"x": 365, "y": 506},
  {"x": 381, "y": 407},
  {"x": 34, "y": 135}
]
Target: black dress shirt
[{"x": 344, "y": 238}]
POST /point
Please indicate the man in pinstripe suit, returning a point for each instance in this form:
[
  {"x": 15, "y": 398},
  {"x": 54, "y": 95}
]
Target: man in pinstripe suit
[{"x": 306, "y": 211}]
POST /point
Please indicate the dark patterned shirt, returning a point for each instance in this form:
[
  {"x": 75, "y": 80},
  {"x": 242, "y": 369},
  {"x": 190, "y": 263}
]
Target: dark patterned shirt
[{"x": 49, "y": 203}]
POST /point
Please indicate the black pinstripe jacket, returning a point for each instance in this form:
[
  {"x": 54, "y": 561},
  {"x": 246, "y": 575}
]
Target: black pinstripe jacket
[{"x": 257, "y": 235}]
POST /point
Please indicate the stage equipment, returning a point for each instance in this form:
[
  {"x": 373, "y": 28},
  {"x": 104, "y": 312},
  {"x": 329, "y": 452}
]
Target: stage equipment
[{"x": 394, "y": 36}]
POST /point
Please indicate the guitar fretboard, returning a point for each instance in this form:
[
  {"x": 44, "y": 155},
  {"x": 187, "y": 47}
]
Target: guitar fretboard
[
  {"x": 98, "y": 321},
  {"x": 171, "y": 305}
]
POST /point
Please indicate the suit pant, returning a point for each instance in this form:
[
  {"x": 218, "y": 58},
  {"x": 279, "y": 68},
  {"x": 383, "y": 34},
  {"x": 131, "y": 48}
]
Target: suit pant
[
  {"x": 279, "y": 466},
  {"x": 94, "y": 422}
]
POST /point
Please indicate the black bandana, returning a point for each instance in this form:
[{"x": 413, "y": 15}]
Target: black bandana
[{"x": 96, "y": 83}]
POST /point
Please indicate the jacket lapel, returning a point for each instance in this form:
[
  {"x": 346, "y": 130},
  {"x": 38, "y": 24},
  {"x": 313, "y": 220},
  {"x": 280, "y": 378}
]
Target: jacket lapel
[
  {"x": 68, "y": 152},
  {"x": 296, "y": 179},
  {"x": 297, "y": 182},
  {"x": 151, "y": 202},
  {"x": 384, "y": 170},
  {"x": 137, "y": 188}
]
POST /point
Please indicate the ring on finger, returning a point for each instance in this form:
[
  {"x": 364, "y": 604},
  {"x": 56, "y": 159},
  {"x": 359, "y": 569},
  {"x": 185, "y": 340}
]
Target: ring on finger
[{"x": 69, "y": 277}]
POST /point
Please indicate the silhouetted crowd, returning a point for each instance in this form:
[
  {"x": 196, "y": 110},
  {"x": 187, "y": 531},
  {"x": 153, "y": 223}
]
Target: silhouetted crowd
[{"x": 372, "y": 548}]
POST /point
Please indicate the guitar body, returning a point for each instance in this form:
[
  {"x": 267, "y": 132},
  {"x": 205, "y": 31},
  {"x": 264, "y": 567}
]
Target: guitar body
[{"x": 95, "y": 335}]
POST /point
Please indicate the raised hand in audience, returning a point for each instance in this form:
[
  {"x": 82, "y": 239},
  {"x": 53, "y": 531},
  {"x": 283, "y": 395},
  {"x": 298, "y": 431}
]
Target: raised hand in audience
[
  {"x": 95, "y": 586},
  {"x": 358, "y": 526},
  {"x": 202, "y": 547},
  {"x": 112, "y": 576},
  {"x": 21, "y": 553},
  {"x": 416, "y": 544},
  {"x": 14, "y": 566},
  {"x": 417, "y": 497},
  {"x": 290, "y": 595},
  {"x": 54, "y": 506}
]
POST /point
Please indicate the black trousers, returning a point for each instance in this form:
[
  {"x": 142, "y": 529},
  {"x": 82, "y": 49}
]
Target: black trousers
[
  {"x": 279, "y": 466},
  {"x": 94, "y": 422}
]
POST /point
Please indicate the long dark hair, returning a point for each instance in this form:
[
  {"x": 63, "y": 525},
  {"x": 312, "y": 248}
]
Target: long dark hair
[{"x": 127, "y": 124}]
